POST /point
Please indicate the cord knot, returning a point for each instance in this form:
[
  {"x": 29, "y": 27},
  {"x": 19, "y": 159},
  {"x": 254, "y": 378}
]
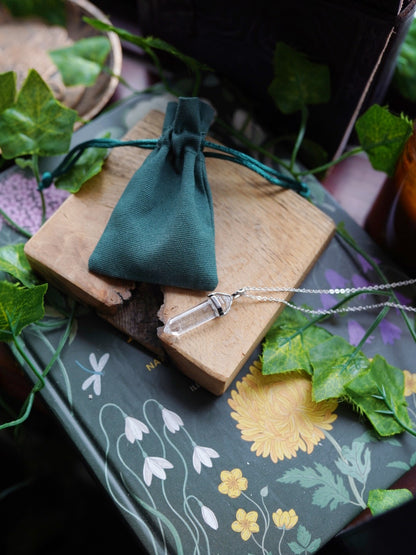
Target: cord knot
[{"x": 46, "y": 181}]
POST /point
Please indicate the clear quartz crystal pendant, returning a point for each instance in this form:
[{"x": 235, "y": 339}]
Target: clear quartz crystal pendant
[{"x": 217, "y": 304}]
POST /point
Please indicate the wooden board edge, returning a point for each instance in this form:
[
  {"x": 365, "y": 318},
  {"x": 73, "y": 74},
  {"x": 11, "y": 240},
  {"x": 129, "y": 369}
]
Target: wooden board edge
[{"x": 218, "y": 382}]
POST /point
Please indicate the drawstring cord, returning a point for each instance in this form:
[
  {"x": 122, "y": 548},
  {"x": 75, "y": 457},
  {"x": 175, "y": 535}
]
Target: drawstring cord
[
  {"x": 224, "y": 153},
  {"x": 74, "y": 155},
  {"x": 272, "y": 175}
]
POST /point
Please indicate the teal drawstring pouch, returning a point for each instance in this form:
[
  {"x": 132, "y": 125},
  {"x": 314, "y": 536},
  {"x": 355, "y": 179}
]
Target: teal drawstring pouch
[{"x": 162, "y": 229}]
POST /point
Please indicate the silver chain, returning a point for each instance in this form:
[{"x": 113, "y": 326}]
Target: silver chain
[{"x": 245, "y": 291}]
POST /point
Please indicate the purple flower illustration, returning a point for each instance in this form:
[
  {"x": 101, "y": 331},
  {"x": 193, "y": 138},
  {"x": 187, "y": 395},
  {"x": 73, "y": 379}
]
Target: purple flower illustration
[
  {"x": 366, "y": 266},
  {"x": 389, "y": 332},
  {"x": 335, "y": 280},
  {"x": 403, "y": 299},
  {"x": 327, "y": 300},
  {"x": 356, "y": 333},
  {"x": 360, "y": 281}
]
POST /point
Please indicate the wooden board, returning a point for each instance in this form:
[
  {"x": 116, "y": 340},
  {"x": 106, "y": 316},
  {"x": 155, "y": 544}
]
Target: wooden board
[{"x": 264, "y": 236}]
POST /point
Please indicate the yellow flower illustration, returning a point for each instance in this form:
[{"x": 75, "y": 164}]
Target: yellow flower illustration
[
  {"x": 245, "y": 524},
  {"x": 409, "y": 383},
  {"x": 233, "y": 483},
  {"x": 285, "y": 519},
  {"x": 278, "y": 415}
]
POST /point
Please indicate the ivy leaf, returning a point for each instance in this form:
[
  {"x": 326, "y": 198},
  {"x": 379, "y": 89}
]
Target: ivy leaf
[
  {"x": 335, "y": 363},
  {"x": 287, "y": 344},
  {"x": 404, "y": 79},
  {"x": 329, "y": 489},
  {"x": 88, "y": 164},
  {"x": 19, "y": 307},
  {"x": 382, "y": 135},
  {"x": 26, "y": 163},
  {"x": 52, "y": 11},
  {"x": 381, "y": 500},
  {"x": 297, "y": 81},
  {"x": 7, "y": 90},
  {"x": 13, "y": 261},
  {"x": 37, "y": 123},
  {"x": 338, "y": 371},
  {"x": 82, "y": 62},
  {"x": 364, "y": 393}
]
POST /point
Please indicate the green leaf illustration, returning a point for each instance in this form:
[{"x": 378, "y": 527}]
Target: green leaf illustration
[
  {"x": 297, "y": 81},
  {"x": 304, "y": 543},
  {"x": 355, "y": 461},
  {"x": 89, "y": 164},
  {"x": 19, "y": 307},
  {"x": 37, "y": 123},
  {"x": 303, "y": 536},
  {"x": 383, "y": 135},
  {"x": 364, "y": 393},
  {"x": 335, "y": 363},
  {"x": 314, "y": 545},
  {"x": 288, "y": 342},
  {"x": 296, "y": 548},
  {"x": 329, "y": 489},
  {"x": 7, "y": 90},
  {"x": 381, "y": 500},
  {"x": 13, "y": 261},
  {"x": 401, "y": 465},
  {"x": 82, "y": 62}
]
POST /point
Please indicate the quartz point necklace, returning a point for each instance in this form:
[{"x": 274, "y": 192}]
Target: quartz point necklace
[{"x": 219, "y": 304}]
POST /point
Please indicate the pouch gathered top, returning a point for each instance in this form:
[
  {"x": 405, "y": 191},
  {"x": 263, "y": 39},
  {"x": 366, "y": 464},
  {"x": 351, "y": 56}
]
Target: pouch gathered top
[{"x": 162, "y": 228}]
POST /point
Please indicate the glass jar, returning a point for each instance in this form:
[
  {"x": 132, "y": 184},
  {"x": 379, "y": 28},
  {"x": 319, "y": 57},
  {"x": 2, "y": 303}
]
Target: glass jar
[{"x": 391, "y": 221}]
